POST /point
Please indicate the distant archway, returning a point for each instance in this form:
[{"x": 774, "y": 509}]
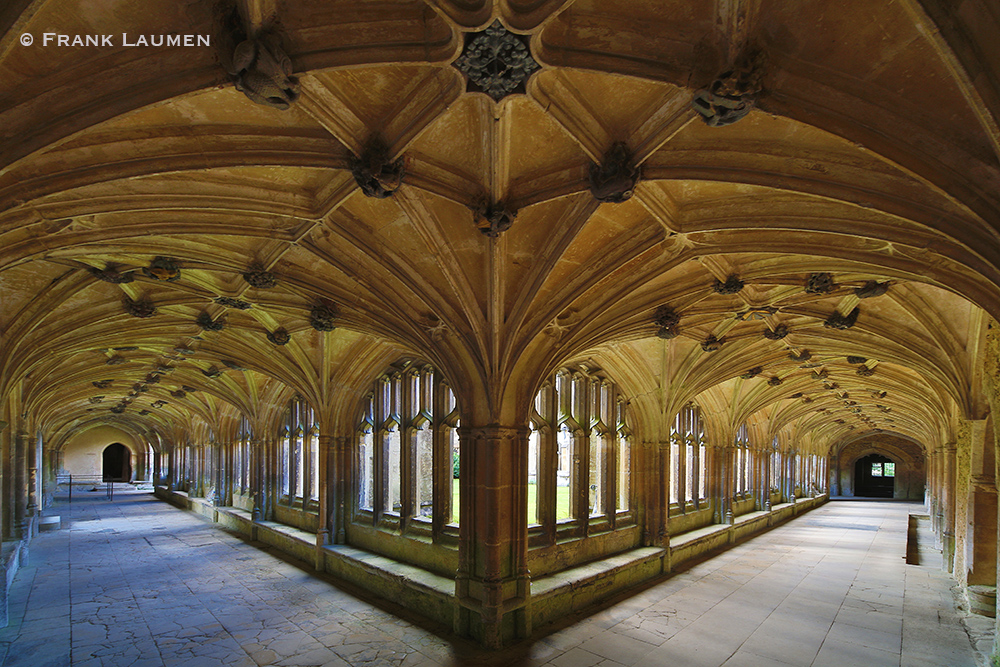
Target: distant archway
[
  {"x": 851, "y": 467},
  {"x": 875, "y": 476},
  {"x": 117, "y": 463}
]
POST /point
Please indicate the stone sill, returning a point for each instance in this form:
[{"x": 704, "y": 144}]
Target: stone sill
[
  {"x": 583, "y": 575},
  {"x": 408, "y": 575},
  {"x": 551, "y": 596}
]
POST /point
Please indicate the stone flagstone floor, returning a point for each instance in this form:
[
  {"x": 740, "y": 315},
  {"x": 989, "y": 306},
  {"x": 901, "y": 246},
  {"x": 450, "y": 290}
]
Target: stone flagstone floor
[{"x": 137, "y": 583}]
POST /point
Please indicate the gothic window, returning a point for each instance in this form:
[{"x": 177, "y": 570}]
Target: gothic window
[
  {"x": 775, "y": 466},
  {"x": 408, "y": 452},
  {"x": 298, "y": 449},
  {"x": 624, "y": 457},
  {"x": 688, "y": 458},
  {"x": 241, "y": 456},
  {"x": 742, "y": 464},
  {"x": 579, "y": 455}
]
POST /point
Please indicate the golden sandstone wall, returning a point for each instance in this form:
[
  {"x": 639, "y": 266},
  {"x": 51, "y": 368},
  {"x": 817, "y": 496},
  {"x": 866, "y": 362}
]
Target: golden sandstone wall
[{"x": 82, "y": 453}]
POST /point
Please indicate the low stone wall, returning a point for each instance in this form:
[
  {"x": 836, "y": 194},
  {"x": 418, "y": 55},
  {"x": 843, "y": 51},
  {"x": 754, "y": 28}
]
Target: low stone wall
[{"x": 552, "y": 596}]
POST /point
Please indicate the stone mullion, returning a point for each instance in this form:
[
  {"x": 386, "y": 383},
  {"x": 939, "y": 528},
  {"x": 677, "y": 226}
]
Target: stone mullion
[
  {"x": 379, "y": 460},
  {"x": 493, "y": 582},
  {"x": 408, "y": 451},
  {"x": 548, "y": 464},
  {"x": 937, "y": 523},
  {"x": 442, "y": 462},
  {"x": 272, "y": 481},
  {"x": 610, "y": 443},
  {"x": 580, "y": 494},
  {"x": 714, "y": 486},
  {"x": 254, "y": 483},
  {"x": 766, "y": 462},
  {"x": 730, "y": 468},
  {"x": 34, "y": 501},
  {"x": 679, "y": 469}
]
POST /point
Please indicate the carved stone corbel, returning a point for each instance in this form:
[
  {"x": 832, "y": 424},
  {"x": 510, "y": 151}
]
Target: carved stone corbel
[
  {"x": 262, "y": 71},
  {"x": 616, "y": 177},
  {"x": 733, "y": 94},
  {"x": 494, "y": 219},
  {"x": 375, "y": 173}
]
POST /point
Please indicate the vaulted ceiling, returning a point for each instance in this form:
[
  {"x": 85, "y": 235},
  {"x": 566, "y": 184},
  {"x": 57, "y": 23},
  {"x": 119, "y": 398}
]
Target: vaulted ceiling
[{"x": 871, "y": 155}]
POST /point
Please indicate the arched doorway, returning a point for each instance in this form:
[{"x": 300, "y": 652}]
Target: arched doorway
[
  {"x": 117, "y": 463},
  {"x": 875, "y": 476}
]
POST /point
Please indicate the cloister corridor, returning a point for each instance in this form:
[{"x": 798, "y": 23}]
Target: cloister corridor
[{"x": 136, "y": 582}]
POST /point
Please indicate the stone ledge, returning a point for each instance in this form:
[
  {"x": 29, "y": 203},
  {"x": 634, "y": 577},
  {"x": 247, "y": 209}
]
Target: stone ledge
[
  {"x": 584, "y": 575},
  {"x": 433, "y": 595}
]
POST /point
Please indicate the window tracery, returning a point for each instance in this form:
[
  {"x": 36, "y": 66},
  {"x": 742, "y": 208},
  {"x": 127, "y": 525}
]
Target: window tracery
[
  {"x": 689, "y": 459},
  {"x": 241, "y": 457},
  {"x": 408, "y": 451},
  {"x": 579, "y": 454},
  {"x": 298, "y": 455}
]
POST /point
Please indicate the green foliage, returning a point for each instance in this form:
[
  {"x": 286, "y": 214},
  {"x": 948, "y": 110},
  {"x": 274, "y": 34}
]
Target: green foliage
[{"x": 455, "y": 465}]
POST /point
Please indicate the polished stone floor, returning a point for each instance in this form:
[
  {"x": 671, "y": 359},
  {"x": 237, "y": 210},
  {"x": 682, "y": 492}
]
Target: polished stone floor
[{"x": 136, "y": 582}]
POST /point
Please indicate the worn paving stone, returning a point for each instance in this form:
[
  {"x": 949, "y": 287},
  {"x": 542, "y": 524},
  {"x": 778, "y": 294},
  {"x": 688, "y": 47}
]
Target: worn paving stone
[{"x": 138, "y": 583}]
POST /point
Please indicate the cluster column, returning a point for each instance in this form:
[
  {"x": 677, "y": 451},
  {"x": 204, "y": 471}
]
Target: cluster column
[
  {"x": 981, "y": 559},
  {"x": 492, "y": 582},
  {"x": 948, "y": 482}
]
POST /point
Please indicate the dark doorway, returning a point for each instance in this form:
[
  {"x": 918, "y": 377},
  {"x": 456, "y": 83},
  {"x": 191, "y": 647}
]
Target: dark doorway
[
  {"x": 875, "y": 477},
  {"x": 117, "y": 463}
]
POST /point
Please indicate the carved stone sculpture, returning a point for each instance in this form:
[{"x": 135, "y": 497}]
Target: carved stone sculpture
[
  {"x": 615, "y": 179},
  {"x": 774, "y": 381},
  {"x": 263, "y": 72},
  {"x": 667, "y": 320},
  {"x": 865, "y": 372},
  {"x": 323, "y": 317},
  {"x": 733, "y": 94},
  {"x": 838, "y": 321},
  {"x": 752, "y": 373},
  {"x": 712, "y": 344},
  {"x": 777, "y": 333},
  {"x": 212, "y": 372},
  {"x": 494, "y": 219},
  {"x": 820, "y": 283},
  {"x": 260, "y": 278},
  {"x": 851, "y": 359},
  {"x": 375, "y": 173},
  {"x": 141, "y": 308},
  {"x": 804, "y": 355},
  {"x": 206, "y": 322},
  {"x": 733, "y": 285},
  {"x": 497, "y": 62},
  {"x": 180, "y": 393},
  {"x": 279, "y": 337},
  {"x": 162, "y": 268}
]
